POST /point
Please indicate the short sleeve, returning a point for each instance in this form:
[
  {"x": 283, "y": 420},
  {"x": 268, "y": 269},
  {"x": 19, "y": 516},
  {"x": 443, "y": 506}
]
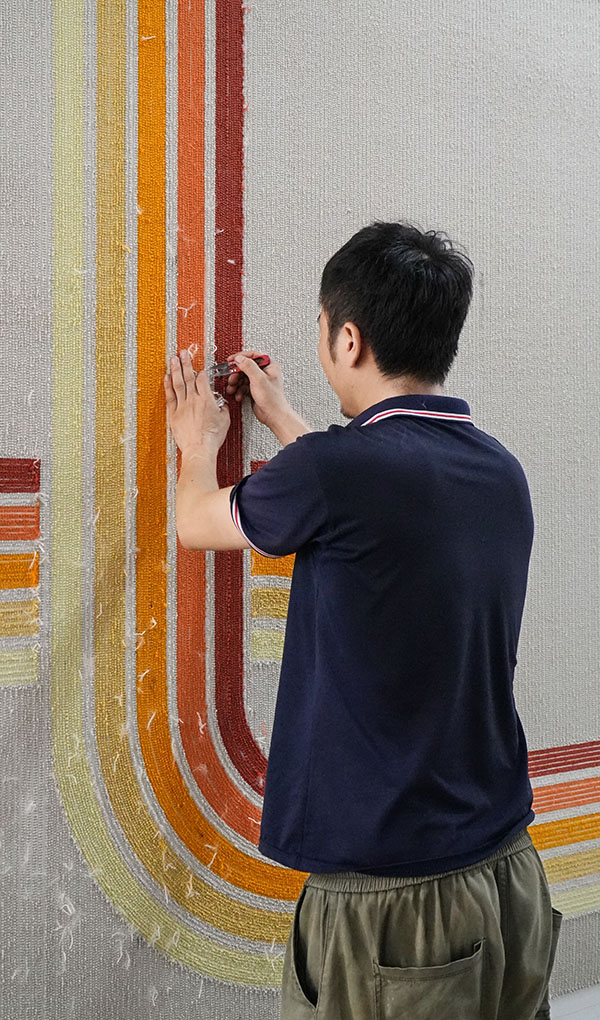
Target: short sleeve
[{"x": 280, "y": 507}]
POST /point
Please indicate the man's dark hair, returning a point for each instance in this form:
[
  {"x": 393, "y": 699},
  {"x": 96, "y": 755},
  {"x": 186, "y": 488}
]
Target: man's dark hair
[{"x": 407, "y": 292}]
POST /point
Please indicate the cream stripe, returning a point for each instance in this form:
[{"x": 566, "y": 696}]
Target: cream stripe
[
  {"x": 267, "y": 644},
  {"x": 18, "y": 666},
  {"x": 577, "y": 901}
]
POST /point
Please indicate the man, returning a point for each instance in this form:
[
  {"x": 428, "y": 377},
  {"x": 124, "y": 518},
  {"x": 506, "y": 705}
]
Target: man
[{"x": 397, "y": 774}]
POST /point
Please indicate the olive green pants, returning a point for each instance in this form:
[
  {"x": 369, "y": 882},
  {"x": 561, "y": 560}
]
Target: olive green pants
[{"x": 476, "y": 943}]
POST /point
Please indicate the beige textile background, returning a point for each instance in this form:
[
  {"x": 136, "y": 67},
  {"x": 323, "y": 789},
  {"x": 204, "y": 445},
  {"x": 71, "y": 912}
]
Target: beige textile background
[{"x": 465, "y": 116}]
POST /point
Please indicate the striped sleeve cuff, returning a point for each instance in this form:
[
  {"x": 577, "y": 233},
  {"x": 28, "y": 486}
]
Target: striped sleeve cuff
[{"x": 235, "y": 514}]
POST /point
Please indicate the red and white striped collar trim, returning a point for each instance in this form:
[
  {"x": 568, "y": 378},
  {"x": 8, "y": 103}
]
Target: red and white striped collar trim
[{"x": 434, "y": 405}]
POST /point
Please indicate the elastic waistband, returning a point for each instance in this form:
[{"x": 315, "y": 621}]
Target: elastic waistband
[{"x": 358, "y": 881}]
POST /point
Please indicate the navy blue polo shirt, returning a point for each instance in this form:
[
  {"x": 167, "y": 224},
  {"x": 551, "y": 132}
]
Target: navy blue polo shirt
[{"x": 397, "y": 748}]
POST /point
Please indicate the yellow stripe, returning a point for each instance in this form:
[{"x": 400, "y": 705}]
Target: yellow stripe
[
  {"x": 19, "y": 617},
  {"x": 560, "y": 869},
  {"x": 270, "y": 602}
]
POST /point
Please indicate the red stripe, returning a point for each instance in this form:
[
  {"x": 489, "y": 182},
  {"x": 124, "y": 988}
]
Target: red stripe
[
  {"x": 242, "y": 749},
  {"x": 564, "y": 758},
  {"x": 19, "y": 474}
]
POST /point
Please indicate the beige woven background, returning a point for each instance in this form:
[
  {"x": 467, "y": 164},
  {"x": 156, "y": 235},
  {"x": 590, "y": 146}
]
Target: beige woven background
[{"x": 466, "y": 116}]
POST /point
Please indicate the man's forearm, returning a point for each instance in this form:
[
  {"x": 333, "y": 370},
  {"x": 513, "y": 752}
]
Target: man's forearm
[
  {"x": 288, "y": 427},
  {"x": 198, "y": 470},
  {"x": 197, "y": 476}
]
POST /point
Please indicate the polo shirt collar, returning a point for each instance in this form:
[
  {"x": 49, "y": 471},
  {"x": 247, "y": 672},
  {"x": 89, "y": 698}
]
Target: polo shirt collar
[{"x": 422, "y": 405}]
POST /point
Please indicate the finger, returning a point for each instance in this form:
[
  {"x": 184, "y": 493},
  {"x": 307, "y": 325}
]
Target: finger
[
  {"x": 202, "y": 383},
  {"x": 232, "y": 390},
  {"x": 187, "y": 367},
  {"x": 247, "y": 366},
  {"x": 169, "y": 391},
  {"x": 240, "y": 387},
  {"x": 248, "y": 354},
  {"x": 177, "y": 376}
]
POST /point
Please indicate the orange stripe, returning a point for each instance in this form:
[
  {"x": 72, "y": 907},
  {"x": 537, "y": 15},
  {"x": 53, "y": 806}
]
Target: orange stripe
[
  {"x": 19, "y": 523},
  {"x": 203, "y": 839},
  {"x": 19, "y": 570},
  {"x": 281, "y": 566},
  {"x": 565, "y": 831},
  {"x": 561, "y": 795}
]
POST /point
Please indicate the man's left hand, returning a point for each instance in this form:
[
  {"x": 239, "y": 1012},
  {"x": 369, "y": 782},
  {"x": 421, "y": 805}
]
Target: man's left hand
[{"x": 193, "y": 414}]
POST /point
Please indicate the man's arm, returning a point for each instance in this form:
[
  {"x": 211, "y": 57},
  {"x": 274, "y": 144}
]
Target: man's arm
[
  {"x": 288, "y": 427},
  {"x": 203, "y": 510}
]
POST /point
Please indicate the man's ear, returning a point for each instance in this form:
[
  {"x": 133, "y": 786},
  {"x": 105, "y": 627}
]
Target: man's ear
[{"x": 352, "y": 341}]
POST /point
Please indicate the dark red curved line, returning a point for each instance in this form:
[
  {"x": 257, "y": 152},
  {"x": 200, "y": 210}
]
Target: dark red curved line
[
  {"x": 237, "y": 736},
  {"x": 19, "y": 474},
  {"x": 564, "y": 758}
]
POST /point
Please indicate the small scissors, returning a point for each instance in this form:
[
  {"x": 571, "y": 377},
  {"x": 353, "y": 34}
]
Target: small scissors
[
  {"x": 228, "y": 367},
  {"x": 224, "y": 368}
]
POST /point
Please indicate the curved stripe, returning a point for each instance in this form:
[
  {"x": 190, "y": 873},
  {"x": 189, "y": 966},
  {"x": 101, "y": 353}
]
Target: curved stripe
[
  {"x": 19, "y": 474},
  {"x": 564, "y": 758},
  {"x": 565, "y": 831},
  {"x": 19, "y": 570},
  {"x": 207, "y": 844},
  {"x": 170, "y": 789},
  {"x": 71, "y": 767},
  {"x": 239, "y": 742},
  {"x": 19, "y": 523},
  {"x": 562, "y": 795},
  {"x": 117, "y": 768}
]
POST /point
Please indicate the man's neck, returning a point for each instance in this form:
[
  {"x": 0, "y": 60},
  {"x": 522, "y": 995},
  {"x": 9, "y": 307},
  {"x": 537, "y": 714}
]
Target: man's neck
[{"x": 377, "y": 393}]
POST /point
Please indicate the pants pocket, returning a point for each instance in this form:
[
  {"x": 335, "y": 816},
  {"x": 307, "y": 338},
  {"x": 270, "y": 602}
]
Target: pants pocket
[
  {"x": 295, "y": 1001},
  {"x": 543, "y": 1009},
  {"x": 452, "y": 990}
]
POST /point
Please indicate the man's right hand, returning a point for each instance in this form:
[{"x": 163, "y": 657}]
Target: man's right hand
[{"x": 264, "y": 386}]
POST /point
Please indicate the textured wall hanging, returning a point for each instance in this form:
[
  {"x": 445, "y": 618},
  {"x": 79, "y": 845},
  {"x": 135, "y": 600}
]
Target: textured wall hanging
[{"x": 175, "y": 175}]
